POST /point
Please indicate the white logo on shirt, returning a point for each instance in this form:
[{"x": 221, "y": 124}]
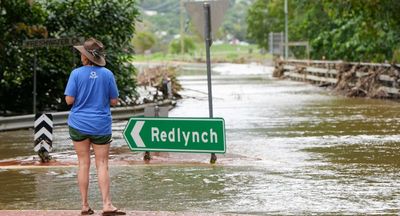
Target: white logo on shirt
[{"x": 93, "y": 75}]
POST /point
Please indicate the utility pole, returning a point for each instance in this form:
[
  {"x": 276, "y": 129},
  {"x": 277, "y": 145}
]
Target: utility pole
[
  {"x": 286, "y": 31},
  {"x": 181, "y": 30}
]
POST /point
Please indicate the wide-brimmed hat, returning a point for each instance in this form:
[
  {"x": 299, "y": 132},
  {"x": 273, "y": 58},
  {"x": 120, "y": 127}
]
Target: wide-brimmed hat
[{"x": 93, "y": 50}]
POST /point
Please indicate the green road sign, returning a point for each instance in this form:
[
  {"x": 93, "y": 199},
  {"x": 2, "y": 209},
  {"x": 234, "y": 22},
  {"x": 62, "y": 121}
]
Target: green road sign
[
  {"x": 52, "y": 42},
  {"x": 205, "y": 135}
]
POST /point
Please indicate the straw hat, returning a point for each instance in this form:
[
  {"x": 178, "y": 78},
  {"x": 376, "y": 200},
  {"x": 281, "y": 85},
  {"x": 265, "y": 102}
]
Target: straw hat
[{"x": 93, "y": 50}]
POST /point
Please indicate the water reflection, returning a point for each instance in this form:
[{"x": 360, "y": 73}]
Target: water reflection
[{"x": 385, "y": 153}]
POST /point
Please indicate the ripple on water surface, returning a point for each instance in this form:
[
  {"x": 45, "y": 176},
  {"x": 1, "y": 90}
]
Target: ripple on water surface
[{"x": 292, "y": 148}]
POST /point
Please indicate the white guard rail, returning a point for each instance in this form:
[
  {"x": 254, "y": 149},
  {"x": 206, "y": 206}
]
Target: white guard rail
[{"x": 60, "y": 118}]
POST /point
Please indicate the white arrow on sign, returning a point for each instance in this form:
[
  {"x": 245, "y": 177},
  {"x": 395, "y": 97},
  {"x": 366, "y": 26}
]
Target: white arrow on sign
[
  {"x": 43, "y": 131},
  {"x": 43, "y": 118},
  {"x": 135, "y": 134},
  {"x": 44, "y": 145}
]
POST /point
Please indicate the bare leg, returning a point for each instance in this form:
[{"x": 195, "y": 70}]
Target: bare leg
[
  {"x": 82, "y": 149},
  {"x": 101, "y": 154}
]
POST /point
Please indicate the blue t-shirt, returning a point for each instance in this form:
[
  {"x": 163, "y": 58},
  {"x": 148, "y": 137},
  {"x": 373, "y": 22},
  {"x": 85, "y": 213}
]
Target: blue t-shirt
[{"x": 92, "y": 87}]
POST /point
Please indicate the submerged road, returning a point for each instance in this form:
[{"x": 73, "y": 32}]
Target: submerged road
[{"x": 292, "y": 148}]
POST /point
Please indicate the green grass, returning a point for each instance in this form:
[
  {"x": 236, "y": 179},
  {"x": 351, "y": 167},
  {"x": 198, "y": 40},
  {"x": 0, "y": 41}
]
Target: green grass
[{"x": 219, "y": 53}]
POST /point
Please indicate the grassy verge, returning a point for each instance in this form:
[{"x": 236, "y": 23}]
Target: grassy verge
[{"x": 219, "y": 53}]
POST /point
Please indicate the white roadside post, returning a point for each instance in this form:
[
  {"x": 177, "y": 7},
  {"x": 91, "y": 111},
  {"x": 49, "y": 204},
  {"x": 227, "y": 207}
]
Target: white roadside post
[{"x": 43, "y": 140}]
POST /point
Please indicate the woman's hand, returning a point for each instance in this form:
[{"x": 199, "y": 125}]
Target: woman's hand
[
  {"x": 70, "y": 100},
  {"x": 113, "y": 102}
]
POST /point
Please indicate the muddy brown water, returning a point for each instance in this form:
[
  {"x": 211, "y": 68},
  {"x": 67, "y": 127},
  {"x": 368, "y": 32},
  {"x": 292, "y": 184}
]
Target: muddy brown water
[{"x": 292, "y": 148}]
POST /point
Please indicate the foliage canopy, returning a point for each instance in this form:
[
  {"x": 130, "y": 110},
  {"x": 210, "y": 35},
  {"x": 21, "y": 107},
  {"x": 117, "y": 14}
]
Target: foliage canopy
[
  {"x": 110, "y": 21},
  {"x": 188, "y": 45},
  {"x": 350, "y": 30},
  {"x": 143, "y": 41}
]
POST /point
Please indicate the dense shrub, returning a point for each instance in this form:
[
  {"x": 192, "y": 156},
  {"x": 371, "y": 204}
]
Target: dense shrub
[
  {"x": 110, "y": 21},
  {"x": 351, "y": 30},
  {"x": 188, "y": 45},
  {"x": 143, "y": 41}
]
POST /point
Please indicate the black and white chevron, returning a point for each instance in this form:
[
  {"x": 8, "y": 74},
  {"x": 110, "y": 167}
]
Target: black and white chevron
[{"x": 43, "y": 132}]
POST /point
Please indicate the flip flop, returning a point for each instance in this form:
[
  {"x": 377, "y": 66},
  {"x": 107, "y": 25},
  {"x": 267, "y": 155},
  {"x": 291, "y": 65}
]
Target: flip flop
[
  {"x": 88, "y": 212},
  {"x": 112, "y": 213}
]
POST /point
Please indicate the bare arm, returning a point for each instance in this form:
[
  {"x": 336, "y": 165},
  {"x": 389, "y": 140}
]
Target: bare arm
[
  {"x": 113, "y": 102},
  {"x": 70, "y": 100}
]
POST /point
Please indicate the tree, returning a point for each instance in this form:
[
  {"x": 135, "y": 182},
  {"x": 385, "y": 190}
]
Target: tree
[
  {"x": 234, "y": 23},
  {"x": 360, "y": 30},
  {"x": 265, "y": 16},
  {"x": 110, "y": 21},
  {"x": 143, "y": 41},
  {"x": 350, "y": 30},
  {"x": 19, "y": 20},
  {"x": 188, "y": 44}
]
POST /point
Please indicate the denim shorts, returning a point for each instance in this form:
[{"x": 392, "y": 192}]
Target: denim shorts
[{"x": 95, "y": 139}]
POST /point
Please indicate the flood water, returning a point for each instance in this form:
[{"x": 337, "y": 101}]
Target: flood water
[{"x": 292, "y": 148}]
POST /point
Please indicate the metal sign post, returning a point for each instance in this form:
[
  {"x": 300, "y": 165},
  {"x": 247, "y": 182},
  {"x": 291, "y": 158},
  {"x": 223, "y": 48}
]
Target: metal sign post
[
  {"x": 207, "y": 27},
  {"x": 52, "y": 42},
  {"x": 286, "y": 31},
  {"x": 208, "y": 43},
  {"x": 34, "y": 81},
  {"x": 44, "y": 122}
]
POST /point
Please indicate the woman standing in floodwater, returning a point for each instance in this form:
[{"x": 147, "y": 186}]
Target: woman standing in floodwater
[{"x": 91, "y": 90}]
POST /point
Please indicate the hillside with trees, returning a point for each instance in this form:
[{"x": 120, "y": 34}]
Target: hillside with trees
[{"x": 161, "y": 18}]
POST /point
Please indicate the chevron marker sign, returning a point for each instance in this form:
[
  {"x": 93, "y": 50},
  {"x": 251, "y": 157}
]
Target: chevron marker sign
[
  {"x": 43, "y": 132},
  {"x": 197, "y": 135}
]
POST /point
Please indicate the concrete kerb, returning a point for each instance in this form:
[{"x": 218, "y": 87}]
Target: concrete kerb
[{"x": 98, "y": 212}]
